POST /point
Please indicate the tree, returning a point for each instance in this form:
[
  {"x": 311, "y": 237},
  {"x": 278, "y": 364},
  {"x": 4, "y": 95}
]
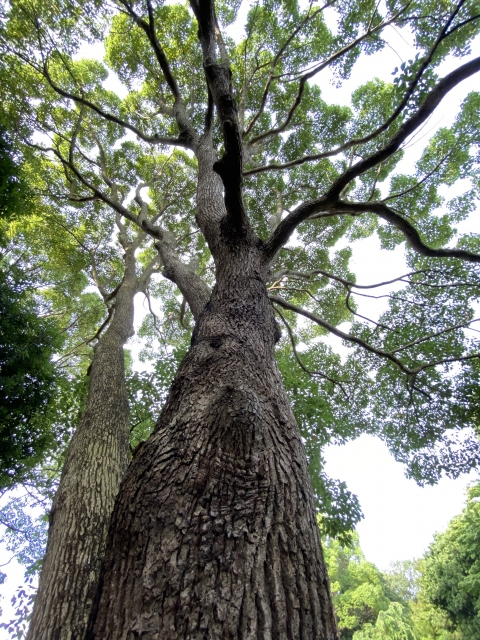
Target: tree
[
  {"x": 26, "y": 375},
  {"x": 393, "y": 623},
  {"x": 451, "y": 575},
  {"x": 27, "y": 341},
  {"x": 214, "y": 531},
  {"x": 358, "y": 588}
]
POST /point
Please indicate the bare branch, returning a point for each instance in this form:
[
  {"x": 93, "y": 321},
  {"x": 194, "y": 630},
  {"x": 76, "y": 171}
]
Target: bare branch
[
  {"x": 348, "y": 283},
  {"x": 461, "y": 325},
  {"x": 102, "y": 326}
]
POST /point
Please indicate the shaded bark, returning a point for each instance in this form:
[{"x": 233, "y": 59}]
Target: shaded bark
[
  {"x": 96, "y": 461},
  {"x": 214, "y": 532}
]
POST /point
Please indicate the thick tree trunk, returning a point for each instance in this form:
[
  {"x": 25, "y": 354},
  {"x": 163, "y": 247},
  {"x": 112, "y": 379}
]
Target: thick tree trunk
[
  {"x": 96, "y": 461},
  {"x": 214, "y": 533}
]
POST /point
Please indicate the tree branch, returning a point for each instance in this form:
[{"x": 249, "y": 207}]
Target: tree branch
[
  {"x": 406, "y": 227},
  {"x": 155, "y": 139},
  {"x": 279, "y": 54},
  {"x": 187, "y": 133},
  {"x": 328, "y": 203},
  {"x": 431, "y": 102},
  {"x": 444, "y": 33},
  {"x": 219, "y": 79},
  {"x": 388, "y": 355},
  {"x": 299, "y": 361},
  {"x": 313, "y": 72}
]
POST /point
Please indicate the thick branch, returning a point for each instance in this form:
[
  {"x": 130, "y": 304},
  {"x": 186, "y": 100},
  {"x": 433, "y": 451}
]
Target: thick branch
[
  {"x": 219, "y": 79},
  {"x": 327, "y": 203},
  {"x": 281, "y": 235},
  {"x": 194, "y": 289},
  {"x": 406, "y": 227},
  {"x": 428, "y": 106}
]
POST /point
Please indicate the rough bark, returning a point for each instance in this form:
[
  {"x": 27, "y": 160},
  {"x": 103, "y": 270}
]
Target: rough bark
[
  {"x": 193, "y": 288},
  {"x": 214, "y": 532},
  {"x": 96, "y": 461}
]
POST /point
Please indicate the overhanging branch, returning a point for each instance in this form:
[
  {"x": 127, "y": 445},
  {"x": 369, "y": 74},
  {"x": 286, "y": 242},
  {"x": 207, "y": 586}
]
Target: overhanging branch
[
  {"x": 431, "y": 102},
  {"x": 387, "y": 355},
  {"x": 402, "y": 224},
  {"x": 329, "y": 204}
]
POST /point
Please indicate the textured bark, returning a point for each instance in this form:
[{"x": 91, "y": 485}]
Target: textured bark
[
  {"x": 95, "y": 464},
  {"x": 214, "y": 532},
  {"x": 193, "y": 288}
]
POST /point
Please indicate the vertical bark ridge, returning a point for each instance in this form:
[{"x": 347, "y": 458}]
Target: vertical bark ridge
[
  {"x": 214, "y": 534},
  {"x": 96, "y": 461}
]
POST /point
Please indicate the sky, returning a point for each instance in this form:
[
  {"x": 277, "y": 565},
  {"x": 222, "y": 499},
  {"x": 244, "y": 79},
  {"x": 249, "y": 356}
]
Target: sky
[{"x": 400, "y": 517}]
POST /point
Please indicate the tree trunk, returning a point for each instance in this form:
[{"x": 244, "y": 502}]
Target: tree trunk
[
  {"x": 96, "y": 461},
  {"x": 214, "y": 534}
]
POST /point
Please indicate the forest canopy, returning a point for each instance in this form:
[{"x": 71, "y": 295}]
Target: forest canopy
[{"x": 95, "y": 154}]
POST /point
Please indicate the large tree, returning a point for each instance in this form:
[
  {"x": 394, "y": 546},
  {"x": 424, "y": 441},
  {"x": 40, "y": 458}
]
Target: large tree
[{"x": 214, "y": 532}]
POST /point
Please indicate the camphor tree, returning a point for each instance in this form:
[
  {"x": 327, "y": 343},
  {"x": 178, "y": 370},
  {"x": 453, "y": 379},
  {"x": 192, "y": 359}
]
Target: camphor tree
[{"x": 214, "y": 533}]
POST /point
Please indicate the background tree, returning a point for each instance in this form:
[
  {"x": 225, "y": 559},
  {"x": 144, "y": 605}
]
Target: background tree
[
  {"x": 27, "y": 340},
  {"x": 451, "y": 574},
  {"x": 359, "y": 590},
  {"x": 314, "y": 173}
]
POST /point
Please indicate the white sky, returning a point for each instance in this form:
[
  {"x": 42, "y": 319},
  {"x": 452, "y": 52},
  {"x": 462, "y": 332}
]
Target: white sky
[{"x": 400, "y": 517}]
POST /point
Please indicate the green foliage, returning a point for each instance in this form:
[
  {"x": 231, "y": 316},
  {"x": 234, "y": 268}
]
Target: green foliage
[
  {"x": 430, "y": 622},
  {"x": 404, "y": 603},
  {"x": 27, "y": 373},
  {"x": 79, "y": 159},
  {"x": 13, "y": 191},
  {"x": 358, "y": 588},
  {"x": 451, "y": 573},
  {"x": 392, "y": 624}
]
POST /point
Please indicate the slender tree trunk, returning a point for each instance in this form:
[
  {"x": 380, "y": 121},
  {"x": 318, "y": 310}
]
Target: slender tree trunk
[
  {"x": 214, "y": 533},
  {"x": 96, "y": 461}
]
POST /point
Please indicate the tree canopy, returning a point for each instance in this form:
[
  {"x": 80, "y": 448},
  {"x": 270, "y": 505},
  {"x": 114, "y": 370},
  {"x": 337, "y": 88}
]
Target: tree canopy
[
  {"x": 451, "y": 575},
  {"x": 326, "y": 171}
]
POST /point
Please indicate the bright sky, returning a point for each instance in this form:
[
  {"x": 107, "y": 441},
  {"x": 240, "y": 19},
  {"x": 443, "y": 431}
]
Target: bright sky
[{"x": 400, "y": 517}]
